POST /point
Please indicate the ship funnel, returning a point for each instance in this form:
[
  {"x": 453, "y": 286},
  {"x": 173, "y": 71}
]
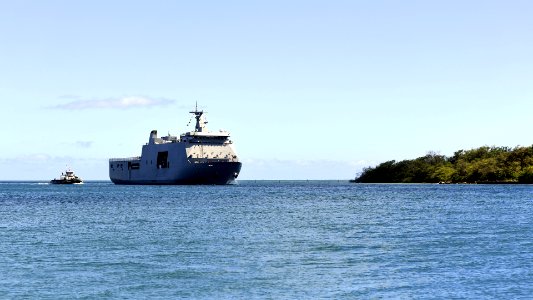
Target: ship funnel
[{"x": 153, "y": 136}]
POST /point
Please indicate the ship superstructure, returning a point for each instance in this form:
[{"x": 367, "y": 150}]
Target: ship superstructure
[{"x": 195, "y": 157}]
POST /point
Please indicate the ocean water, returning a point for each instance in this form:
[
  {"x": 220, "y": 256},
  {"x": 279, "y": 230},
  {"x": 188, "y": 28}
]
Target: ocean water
[{"x": 266, "y": 239}]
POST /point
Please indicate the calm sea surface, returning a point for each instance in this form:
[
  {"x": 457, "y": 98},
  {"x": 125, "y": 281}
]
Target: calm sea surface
[{"x": 266, "y": 240}]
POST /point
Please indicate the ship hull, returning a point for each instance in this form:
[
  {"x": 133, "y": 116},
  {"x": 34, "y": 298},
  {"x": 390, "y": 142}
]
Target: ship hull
[
  {"x": 213, "y": 173},
  {"x": 59, "y": 181}
]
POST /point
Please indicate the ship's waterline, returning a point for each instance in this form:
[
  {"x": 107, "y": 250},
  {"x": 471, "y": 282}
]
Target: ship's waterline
[{"x": 195, "y": 157}]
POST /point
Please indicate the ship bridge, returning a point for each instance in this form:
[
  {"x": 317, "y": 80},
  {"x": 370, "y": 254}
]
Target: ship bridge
[{"x": 201, "y": 134}]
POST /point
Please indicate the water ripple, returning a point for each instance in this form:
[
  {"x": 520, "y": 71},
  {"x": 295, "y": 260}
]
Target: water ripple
[{"x": 265, "y": 240}]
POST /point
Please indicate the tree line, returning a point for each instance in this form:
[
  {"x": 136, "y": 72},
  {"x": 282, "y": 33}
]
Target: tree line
[{"x": 482, "y": 165}]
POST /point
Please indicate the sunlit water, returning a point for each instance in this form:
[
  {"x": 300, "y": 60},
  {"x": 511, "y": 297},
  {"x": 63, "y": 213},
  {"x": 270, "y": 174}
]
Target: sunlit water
[{"x": 266, "y": 240}]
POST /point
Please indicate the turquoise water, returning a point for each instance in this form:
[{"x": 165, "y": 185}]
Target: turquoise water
[{"x": 266, "y": 240}]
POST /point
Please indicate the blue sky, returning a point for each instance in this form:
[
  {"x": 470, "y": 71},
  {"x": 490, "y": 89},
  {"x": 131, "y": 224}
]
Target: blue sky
[{"x": 308, "y": 89}]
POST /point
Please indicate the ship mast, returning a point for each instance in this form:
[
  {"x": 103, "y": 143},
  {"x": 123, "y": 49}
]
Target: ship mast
[{"x": 200, "y": 121}]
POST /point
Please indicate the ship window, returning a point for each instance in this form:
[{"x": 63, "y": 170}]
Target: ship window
[{"x": 162, "y": 159}]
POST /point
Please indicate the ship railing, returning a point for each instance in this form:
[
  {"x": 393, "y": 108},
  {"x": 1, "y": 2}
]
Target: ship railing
[
  {"x": 136, "y": 158},
  {"x": 210, "y": 160}
]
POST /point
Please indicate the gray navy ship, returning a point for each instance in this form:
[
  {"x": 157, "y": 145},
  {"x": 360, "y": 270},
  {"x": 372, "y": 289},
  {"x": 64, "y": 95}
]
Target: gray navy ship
[{"x": 195, "y": 157}]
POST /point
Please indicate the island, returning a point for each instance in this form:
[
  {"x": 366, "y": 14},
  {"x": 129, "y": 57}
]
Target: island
[{"x": 482, "y": 165}]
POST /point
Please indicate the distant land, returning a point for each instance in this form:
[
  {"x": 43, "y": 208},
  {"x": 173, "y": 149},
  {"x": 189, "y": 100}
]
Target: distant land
[{"x": 482, "y": 165}]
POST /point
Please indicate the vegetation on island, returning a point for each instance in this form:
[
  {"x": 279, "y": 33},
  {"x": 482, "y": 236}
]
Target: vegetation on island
[{"x": 481, "y": 165}]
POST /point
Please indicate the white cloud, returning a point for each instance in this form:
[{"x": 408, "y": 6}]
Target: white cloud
[{"x": 113, "y": 103}]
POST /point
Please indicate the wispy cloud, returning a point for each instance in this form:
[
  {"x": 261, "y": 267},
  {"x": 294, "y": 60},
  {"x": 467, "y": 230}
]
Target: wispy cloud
[
  {"x": 30, "y": 158},
  {"x": 41, "y": 166},
  {"x": 83, "y": 144},
  {"x": 112, "y": 103},
  {"x": 300, "y": 168}
]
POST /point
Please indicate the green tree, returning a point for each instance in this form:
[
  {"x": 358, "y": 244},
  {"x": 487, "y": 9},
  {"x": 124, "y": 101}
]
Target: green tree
[{"x": 484, "y": 164}]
